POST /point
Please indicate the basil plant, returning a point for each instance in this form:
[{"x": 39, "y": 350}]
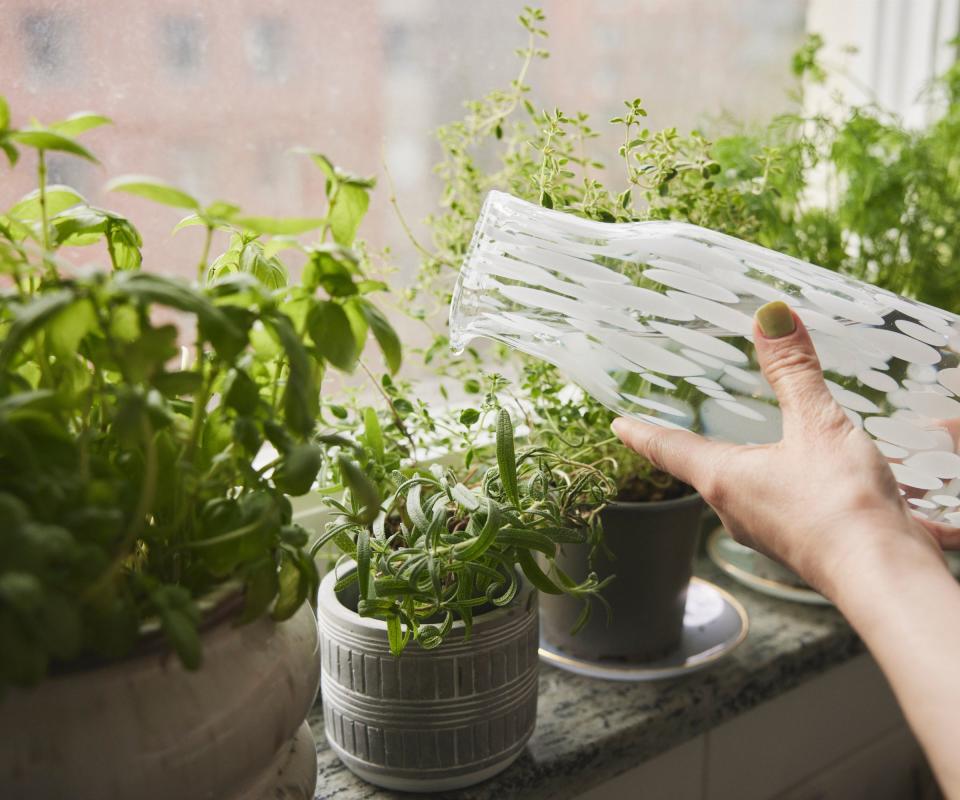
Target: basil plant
[{"x": 150, "y": 429}]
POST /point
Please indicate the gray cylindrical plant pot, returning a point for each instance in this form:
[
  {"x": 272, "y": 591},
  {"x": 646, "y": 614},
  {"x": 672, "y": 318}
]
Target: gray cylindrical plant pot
[
  {"x": 428, "y": 720},
  {"x": 653, "y": 545}
]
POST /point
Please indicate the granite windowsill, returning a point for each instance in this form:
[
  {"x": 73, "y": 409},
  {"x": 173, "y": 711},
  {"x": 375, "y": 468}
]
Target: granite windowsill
[{"x": 589, "y": 731}]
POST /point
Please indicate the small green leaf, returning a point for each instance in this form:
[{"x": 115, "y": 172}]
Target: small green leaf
[
  {"x": 241, "y": 392},
  {"x": 30, "y": 318},
  {"x": 334, "y": 174},
  {"x": 79, "y": 122},
  {"x": 10, "y": 151},
  {"x": 324, "y": 163},
  {"x": 174, "y": 384},
  {"x": 373, "y": 434},
  {"x": 66, "y": 330},
  {"x": 349, "y": 206},
  {"x": 298, "y": 470},
  {"x": 402, "y": 406},
  {"x": 506, "y": 457},
  {"x": 225, "y": 335},
  {"x": 4, "y": 113},
  {"x": 534, "y": 574},
  {"x": 301, "y": 399},
  {"x": 415, "y": 510},
  {"x": 395, "y": 635},
  {"x": 268, "y": 270},
  {"x": 472, "y": 549},
  {"x": 260, "y": 587},
  {"x": 79, "y": 225},
  {"x": 221, "y": 211},
  {"x": 363, "y": 562},
  {"x": 370, "y": 286},
  {"x": 384, "y": 333},
  {"x": 123, "y": 244},
  {"x": 58, "y": 198},
  {"x": 179, "y": 618},
  {"x": 333, "y": 269},
  {"x": 189, "y": 221},
  {"x": 528, "y": 540},
  {"x": 331, "y": 332},
  {"x": 469, "y": 416},
  {"x": 49, "y": 140},
  {"x": 152, "y": 189},
  {"x": 465, "y": 497},
  {"x": 363, "y": 490},
  {"x": 293, "y": 588}
]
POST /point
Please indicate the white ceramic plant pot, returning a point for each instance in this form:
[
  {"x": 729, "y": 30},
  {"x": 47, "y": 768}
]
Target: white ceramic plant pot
[
  {"x": 430, "y": 720},
  {"x": 145, "y": 727}
]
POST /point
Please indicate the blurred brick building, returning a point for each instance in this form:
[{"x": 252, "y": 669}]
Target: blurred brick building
[{"x": 211, "y": 96}]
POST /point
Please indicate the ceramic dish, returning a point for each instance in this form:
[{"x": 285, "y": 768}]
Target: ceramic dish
[{"x": 715, "y": 623}]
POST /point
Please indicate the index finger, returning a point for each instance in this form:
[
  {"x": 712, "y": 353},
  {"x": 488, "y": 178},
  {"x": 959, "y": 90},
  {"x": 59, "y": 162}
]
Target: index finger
[{"x": 683, "y": 454}]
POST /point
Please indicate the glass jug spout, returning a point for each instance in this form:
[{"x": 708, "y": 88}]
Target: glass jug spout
[{"x": 655, "y": 320}]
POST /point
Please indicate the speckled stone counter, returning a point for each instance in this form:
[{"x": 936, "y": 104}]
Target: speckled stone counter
[{"x": 589, "y": 731}]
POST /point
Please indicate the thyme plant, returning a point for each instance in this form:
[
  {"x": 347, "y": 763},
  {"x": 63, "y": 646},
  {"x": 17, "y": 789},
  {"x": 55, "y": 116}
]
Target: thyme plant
[{"x": 887, "y": 212}]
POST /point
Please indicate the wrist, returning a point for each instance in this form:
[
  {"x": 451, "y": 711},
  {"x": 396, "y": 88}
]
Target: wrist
[{"x": 883, "y": 566}]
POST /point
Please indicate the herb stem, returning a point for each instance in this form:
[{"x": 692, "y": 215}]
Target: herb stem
[
  {"x": 396, "y": 414},
  {"x": 205, "y": 256},
  {"x": 200, "y": 405},
  {"x": 140, "y": 513},
  {"x": 44, "y": 217},
  {"x": 408, "y": 232}
]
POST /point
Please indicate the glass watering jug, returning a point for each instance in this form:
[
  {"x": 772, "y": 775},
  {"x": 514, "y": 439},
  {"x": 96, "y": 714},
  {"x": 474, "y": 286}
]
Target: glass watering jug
[{"x": 654, "y": 319}]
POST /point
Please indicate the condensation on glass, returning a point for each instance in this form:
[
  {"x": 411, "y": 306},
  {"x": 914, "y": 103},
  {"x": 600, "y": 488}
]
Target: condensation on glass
[{"x": 654, "y": 319}]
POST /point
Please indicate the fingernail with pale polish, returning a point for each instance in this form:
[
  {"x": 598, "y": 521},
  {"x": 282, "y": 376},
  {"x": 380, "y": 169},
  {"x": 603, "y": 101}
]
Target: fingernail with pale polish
[
  {"x": 775, "y": 319},
  {"x": 616, "y": 426}
]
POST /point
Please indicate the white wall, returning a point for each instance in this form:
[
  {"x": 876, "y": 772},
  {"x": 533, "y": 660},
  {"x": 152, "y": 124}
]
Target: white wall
[{"x": 900, "y": 45}]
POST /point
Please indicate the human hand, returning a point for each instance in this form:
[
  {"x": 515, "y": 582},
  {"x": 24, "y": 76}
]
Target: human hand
[{"x": 821, "y": 497}]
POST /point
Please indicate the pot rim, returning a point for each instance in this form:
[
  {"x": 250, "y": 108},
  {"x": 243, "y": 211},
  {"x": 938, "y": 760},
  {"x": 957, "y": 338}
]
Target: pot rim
[
  {"x": 219, "y": 606},
  {"x": 329, "y": 603},
  {"x": 659, "y": 505}
]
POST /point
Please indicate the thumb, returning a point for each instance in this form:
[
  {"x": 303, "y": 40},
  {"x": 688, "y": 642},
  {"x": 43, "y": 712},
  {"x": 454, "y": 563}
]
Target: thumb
[{"x": 789, "y": 362}]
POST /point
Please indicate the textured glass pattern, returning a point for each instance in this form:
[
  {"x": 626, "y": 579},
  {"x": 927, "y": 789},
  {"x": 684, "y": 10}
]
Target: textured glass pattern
[{"x": 654, "y": 319}]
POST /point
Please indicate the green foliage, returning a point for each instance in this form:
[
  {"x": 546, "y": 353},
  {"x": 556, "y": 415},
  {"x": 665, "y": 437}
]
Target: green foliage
[
  {"x": 853, "y": 190},
  {"x": 443, "y": 547},
  {"x": 129, "y": 481},
  {"x": 153, "y": 189}
]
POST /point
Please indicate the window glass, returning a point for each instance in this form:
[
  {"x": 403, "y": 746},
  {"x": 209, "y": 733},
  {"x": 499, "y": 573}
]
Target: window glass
[
  {"x": 49, "y": 46},
  {"x": 181, "y": 37},
  {"x": 214, "y": 96},
  {"x": 267, "y": 40}
]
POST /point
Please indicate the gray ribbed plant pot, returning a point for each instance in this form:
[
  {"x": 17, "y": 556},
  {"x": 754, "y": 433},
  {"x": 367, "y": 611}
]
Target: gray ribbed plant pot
[
  {"x": 653, "y": 546},
  {"x": 430, "y": 720}
]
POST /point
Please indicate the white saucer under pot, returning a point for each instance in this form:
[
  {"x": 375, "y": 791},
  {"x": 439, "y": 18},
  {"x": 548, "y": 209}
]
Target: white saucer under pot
[{"x": 714, "y": 624}]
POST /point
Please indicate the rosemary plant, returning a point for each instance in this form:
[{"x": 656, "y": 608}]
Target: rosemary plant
[{"x": 443, "y": 546}]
